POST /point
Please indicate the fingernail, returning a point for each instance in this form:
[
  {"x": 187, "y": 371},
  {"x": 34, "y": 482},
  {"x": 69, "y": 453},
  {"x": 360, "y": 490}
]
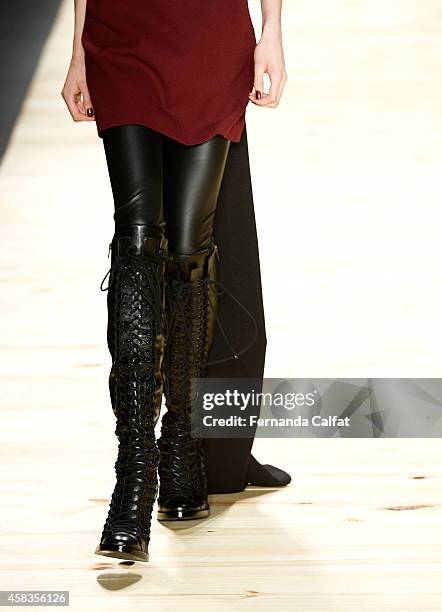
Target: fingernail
[
  {"x": 258, "y": 95},
  {"x": 90, "y": 112}
]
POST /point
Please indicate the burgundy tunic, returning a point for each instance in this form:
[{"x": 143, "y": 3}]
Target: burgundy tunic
[{"x": 181, "y": 67}]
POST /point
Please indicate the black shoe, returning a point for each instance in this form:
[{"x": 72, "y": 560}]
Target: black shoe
[
  {"x": 136, "y": 337},
  {"x": 190, "y": 305}
]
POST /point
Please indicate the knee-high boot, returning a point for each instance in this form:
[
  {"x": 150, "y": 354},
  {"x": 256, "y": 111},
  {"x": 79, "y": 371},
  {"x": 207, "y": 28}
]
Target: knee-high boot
[
  {"x": 136, "y": 335},
  {"x": 190, "y": 303}
]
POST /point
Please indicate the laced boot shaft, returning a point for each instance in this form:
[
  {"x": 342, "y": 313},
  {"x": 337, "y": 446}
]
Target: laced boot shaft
[
  {"x": 190, "y": 304},
  {"x": 136, "y": 337}
]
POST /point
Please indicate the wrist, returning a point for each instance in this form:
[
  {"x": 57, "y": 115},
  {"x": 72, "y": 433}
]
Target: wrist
[
  {"x": 271, "y": 30},
  {"x": 77, "y": 52}
]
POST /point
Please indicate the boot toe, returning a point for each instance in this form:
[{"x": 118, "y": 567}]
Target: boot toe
[
  {"x": 182, "y": 508},
  {"x": 120, "y": 538},
  {"x": 122, "y": 545}
]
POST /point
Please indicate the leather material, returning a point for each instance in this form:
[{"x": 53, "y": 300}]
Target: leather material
[
  {"x": 183, "y": 481},
  {"x": 135, "y": 155},
  {"x": 192, "y": 180},
  {"x": 136, "y": 337},
  {"x": 156, "y": 179}
]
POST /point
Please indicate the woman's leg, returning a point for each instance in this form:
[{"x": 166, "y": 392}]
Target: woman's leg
[
  {"x": 193, "y": 176},
  {"x": 134, "y": 160},
  {"x": 192, "y": 180},
  {"x": 135, "y": 334}
]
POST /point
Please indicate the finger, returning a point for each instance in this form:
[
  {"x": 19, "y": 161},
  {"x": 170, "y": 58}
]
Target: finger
[
  {"x": 84, "y": 102},
  {"x": 81, "y": 110},
  {"x": 271, "y": 98},
  {"x": 70, "y": 100},
  {"x": 258, "y": 84}
]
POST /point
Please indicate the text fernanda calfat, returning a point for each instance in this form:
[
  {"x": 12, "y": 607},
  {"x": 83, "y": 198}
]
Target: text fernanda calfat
[{"x": 298, "y": 421}]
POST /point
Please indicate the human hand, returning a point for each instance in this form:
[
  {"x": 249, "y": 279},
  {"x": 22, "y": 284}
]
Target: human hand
[
  {"x": 75, "y": 91},
  {"x": 269, "y": 59}
]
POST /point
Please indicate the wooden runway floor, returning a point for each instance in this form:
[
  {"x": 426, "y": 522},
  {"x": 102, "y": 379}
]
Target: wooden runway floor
[{"x": 347, "y": 188}]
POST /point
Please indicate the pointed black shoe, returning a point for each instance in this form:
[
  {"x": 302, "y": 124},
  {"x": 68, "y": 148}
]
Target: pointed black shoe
[
  {"x": 190, "y": 304},
  {"x": 136, "y": 336}
]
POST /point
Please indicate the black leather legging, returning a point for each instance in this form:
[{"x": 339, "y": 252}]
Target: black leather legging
[{"x": 155, "y": 178}]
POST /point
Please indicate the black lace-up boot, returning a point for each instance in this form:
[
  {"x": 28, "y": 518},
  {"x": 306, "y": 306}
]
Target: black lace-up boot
[
  {"x": 191, "y": 303},
  {"x": 136, "y": 337}
]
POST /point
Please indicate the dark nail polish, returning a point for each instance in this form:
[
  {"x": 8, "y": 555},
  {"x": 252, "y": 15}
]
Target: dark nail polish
[
  {"x": 90, "y": 112},
  {"x": 258, "y": 95}
]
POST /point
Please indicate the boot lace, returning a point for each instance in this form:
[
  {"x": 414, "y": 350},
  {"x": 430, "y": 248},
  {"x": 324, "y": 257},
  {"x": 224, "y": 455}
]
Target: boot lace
[{"x": 138, "y": 316}]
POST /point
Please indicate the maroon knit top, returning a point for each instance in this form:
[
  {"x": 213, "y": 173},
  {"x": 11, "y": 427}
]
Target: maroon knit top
[{"x": 181, "y": 67}]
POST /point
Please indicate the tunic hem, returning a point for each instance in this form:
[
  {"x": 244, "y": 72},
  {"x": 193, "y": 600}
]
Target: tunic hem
[{"x": 233, "y": 132}]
